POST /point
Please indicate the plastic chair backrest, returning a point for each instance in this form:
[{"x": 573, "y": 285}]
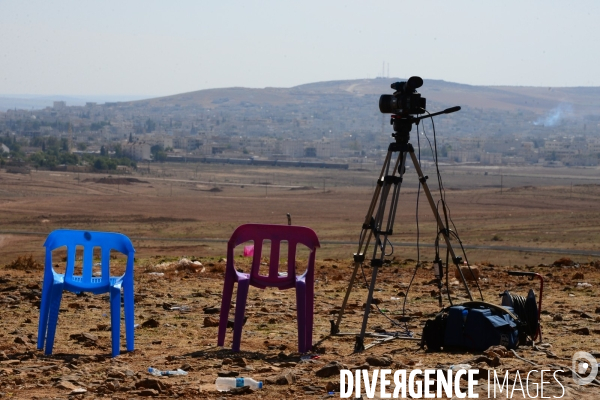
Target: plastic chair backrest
[
  {"x": 258, "y": 233},
  {"x": 89, "y": 240}
]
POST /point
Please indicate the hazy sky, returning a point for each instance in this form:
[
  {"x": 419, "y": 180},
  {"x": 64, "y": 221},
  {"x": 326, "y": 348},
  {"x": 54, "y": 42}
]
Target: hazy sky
[{"x": 169, "y": 47}]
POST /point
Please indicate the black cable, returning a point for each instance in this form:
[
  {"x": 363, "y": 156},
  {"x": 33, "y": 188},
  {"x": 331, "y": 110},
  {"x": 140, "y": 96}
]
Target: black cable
[
  {"x": 418, "y": 231},
  {"x": 437, "y": 256},
  {"x": 519, "y": 305},
  {"x": 446, "y": 209},
  {"x": 406, "y": 332},
  {"x": 467, "y": 261}
]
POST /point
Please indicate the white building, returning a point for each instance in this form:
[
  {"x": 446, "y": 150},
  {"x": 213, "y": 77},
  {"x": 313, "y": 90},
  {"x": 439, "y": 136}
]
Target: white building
[
  {"x": 139, "y": 151},
  {"x": 292, "y": 148},
  {"x": 327, "y": 149}
]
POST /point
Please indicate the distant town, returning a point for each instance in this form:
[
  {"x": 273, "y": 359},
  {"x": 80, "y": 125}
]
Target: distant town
[{"x": 337, "y": 130}]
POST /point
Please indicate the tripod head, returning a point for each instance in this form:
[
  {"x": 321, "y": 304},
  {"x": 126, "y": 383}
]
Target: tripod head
[{"x": 403, "y": 125}]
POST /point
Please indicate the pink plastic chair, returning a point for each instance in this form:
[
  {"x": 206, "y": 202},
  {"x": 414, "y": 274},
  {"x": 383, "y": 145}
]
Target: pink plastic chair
[{"x": 304, "y": 283}]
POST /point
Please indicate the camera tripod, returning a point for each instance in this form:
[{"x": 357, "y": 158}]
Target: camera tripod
[{"x": 379, "y": 223}]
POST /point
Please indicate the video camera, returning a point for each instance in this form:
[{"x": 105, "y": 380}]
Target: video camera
[{"x": 405, "y": 100}]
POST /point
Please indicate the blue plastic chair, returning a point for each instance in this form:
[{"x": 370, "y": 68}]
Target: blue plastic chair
[{"x": 55, "y": 283}]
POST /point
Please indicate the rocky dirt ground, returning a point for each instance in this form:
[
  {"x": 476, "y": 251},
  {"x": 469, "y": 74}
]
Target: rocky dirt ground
[{"x": 176, "y": 311}]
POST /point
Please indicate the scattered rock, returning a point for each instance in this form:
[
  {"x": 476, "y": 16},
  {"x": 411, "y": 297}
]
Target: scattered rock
[
  {"x": 332, "y": 387},
  {"x": 379, "y": 361},
  {"x": 66, "y": 385},
  {"x": 227, "y": 374},
  {"x": 231, "y": 322},
  {"x": 84, "y": 337},
  {"x": 497, "y": 351},
  {"x": 210, "y": 322},
  {"x": 151, "y": 323},
  {"x": 582, "y": 331},
  {"x": 333, "y": 368},
  {"x": 186, "y": 367},
  {"x": 312, "y": 389},
  {"x": 116, "y": 374},
  {"x": 362, "y": 366},
  {"x": 240, "y": 361},
  {"x": 470, "y": 275},
  {"x": 578, "y": 276},
  {"x": 583, "y": 285},
  {"x": 490, "y": 361},
  {"x": 21, "y": 340},
  {"x": 148, "y": 392},
  {"x": 150, "y": 383},
  {"x": 285, "y": 378},
  {"x": 557, "y": 318},
  {"x": 241, "y": 390},
  {"x": 563, "y": 262}
]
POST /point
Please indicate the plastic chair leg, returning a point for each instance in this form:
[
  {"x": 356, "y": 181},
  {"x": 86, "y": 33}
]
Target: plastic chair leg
[
  {"x": 54, "y": 307},
  {"x": 301, "y": 315},
  {"x": 44, "y": 311},
  {"x": 309, "y": 300},
  {"x": 225, "y": 306},
  {"x": 128, "y": 300},
  {"x": 115, "y": 319},
  {"x": 240, "y": 309}
]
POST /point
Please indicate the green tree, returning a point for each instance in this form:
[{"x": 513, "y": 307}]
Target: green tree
[
  {"x": 100, "y": 164},
  {"x": 118, "y": 150},
  {"x": 150, "y": 125}
]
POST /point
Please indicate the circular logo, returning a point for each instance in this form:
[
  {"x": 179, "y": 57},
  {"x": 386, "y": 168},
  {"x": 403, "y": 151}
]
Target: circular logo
[{"x": 585, "y": 368}]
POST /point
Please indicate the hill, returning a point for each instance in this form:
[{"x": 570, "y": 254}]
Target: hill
[{"x": 583, "y": 100}]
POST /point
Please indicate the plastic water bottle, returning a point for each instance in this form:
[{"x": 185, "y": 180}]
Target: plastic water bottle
[
  {"x": 226, "y": 384},
  {"x": 158, "y": 372}
]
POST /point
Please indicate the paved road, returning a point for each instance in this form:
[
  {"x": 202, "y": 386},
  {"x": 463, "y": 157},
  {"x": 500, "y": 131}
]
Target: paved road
[{"x": 594, "y": 253}]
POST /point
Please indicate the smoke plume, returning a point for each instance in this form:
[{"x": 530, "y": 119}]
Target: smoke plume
[{"x": 554, "y": 116}]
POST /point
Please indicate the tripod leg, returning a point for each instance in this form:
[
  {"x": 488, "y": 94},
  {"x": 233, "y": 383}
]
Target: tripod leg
[
  {"x": 381, "y": 235},
  {"x": 365, "y": 238},
  {"x": 384, "y": 171},
  {"x": 336, "y": 328},
  {"x": 360, "y": 346}
]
